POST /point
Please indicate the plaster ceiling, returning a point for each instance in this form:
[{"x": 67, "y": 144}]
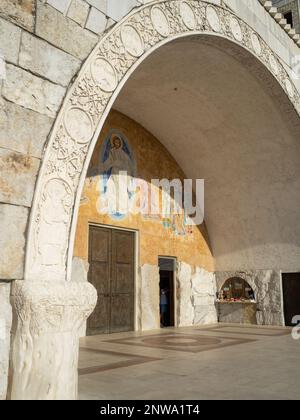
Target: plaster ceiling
[{"x": 225, "y": 119}]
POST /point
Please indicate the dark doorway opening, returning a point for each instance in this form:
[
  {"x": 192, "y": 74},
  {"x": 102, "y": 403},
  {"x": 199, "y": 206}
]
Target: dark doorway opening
[
  {"x": 289, "y": 18},
  {"x": 166, "y": 291},
  {"x": 291, "y": 296}
]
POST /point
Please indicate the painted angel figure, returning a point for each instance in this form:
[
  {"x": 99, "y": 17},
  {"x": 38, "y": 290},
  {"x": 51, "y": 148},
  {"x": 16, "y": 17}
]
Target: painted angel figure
[{"x": 117, "y": 167}]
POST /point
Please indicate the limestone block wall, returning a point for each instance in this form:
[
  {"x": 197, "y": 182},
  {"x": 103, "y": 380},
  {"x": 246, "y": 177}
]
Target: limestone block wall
[{"x": 267, "y": 288}]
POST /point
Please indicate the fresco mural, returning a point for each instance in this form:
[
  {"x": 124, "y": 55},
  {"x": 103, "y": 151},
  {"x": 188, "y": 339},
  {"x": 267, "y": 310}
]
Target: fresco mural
[
  {"x": 116, "y": 158},
  {"x": 117, "y": 161},
  {"x": 125, "y": 146}
]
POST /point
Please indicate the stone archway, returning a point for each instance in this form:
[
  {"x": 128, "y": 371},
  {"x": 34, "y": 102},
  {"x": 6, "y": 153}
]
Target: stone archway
[{"x": 46, "y": 303}]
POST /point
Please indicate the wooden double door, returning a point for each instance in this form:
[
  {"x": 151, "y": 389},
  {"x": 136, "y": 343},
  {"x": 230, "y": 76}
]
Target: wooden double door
[{"x": 112, "y": 268}]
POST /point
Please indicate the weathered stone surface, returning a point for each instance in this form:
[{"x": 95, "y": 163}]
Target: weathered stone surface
[
  {"x": 78, "y": 11},
  {"x": 237, "y": 313},
  {"x": 10, "y": 36},
  {"x": 51, "y": 314},
  {"x": 185, "y": 309},
  {"x": 13, "y": 222},
  {"x": 55, "y": 28},
  {"x": 17, "y": 177},
  {"x": 80, "y": 270},
  {"x": 99, "y": 4},
  {"x": 32, "y": 92},
  {"x": 79, "y": 274},
  {"x": 2, "y": 70},
  {"x": 97, "y": 21},
  {"x": 204, "y": 291},
  {"x": 116, "y": 9},
  {"x": 266, "y": 285},
  {"x": 149, "y": 280},
  {"x": 231, "y": 313},
  {"x": 5, "y": 327},
  {"x": 60, "y": 5},
  {"x": 19, "y": 11},
  {"x": 47, "y": 61},
  {"x": 23, "y": 130}
]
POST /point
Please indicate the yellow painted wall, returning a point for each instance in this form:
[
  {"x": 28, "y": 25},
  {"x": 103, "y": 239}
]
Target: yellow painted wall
[{"x": 153, "y": 161}]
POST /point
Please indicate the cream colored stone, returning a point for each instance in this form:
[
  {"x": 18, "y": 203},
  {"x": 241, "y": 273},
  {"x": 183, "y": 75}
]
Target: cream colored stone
[
  {"x": 204, "y": 291},
  {"x": 27, "y": 138},
  {"x": 5, "y": 327},
  {"x": 188, "y": 15},
  {"x": 49, "y": 317},
  {"x": 149, "y": 280},
  {"x": 20, "y": 12},
  {"x": 136, "y": 39},
  {"x": 32, "y": 92},
  {"x": 160, "y": 21},
  {"x": 47, "y": 61},
  {"x": 185, "y": 308},
  {"x": 132, "y": 40},
  {"x": 213, "y": 119},
  {"x": 63, "y": 33},
  {"x": 96, "y": 21},
  {"x": 80, "y": 270},
  {"x": 266, "y": 285},
  {"x": 10, "y": 36},
  {"x": 13, "y": 223},
  {"x": 17, "y": 177},
  {"x": 78, "y": 11},
  {"x": 213, "y": 18},
  {"x": 79, "y": 274}
]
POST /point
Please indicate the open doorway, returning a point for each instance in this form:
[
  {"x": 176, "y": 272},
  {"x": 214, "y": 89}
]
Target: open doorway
[
  {"x": 166, "y": 290},
  {"x": 291, "y": 296}
]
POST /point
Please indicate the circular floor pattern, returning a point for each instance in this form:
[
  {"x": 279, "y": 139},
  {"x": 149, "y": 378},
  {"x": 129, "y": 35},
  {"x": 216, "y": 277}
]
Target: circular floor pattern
[{"x": 181, "y": 341}]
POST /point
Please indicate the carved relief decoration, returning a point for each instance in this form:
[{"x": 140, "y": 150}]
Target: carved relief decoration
[{"x": 83, "y": 111}]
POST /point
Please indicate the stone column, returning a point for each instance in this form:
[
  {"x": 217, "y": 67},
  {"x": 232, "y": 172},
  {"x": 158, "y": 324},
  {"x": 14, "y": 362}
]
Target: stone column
[{"x": 45, "y": 344}]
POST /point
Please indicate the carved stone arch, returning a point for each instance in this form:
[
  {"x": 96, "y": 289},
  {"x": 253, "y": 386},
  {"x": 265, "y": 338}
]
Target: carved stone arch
[
  {"x": 50, "y": 310},
  {"x": 91, "y": 97}
]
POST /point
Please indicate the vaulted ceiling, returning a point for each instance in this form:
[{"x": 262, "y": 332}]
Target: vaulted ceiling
[{"x": 224, "y": 118}]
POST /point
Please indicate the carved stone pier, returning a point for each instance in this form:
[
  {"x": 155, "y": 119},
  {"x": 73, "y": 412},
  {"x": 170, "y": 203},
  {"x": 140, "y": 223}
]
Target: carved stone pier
[{"x": 45, "y": 340}]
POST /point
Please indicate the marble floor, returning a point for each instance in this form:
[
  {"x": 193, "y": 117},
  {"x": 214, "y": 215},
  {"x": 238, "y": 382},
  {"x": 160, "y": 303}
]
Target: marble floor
[{"x": 214, "y": 362}]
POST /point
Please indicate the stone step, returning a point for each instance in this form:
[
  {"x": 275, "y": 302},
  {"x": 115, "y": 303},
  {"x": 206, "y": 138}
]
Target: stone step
[{"x": 279, "y": 18}]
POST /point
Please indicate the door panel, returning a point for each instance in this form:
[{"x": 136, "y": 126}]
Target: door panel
[
  {"x": 122, "y": 281},
  {"x": 100, "y": 244},
  {"x": 121, "y": 313},
  {"x": 111, "y": 258},
  {"x": 99, "y": 276},
  {"x": 124, "y": 246}
]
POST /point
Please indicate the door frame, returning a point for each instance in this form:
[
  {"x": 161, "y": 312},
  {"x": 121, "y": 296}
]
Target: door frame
[
  {"x": 165, "y": 257},
  {"x": 136, "y": 263}
]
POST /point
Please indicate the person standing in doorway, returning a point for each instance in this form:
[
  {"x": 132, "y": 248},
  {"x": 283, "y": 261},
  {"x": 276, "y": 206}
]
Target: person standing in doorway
[{"x": 163, "y": 307}]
